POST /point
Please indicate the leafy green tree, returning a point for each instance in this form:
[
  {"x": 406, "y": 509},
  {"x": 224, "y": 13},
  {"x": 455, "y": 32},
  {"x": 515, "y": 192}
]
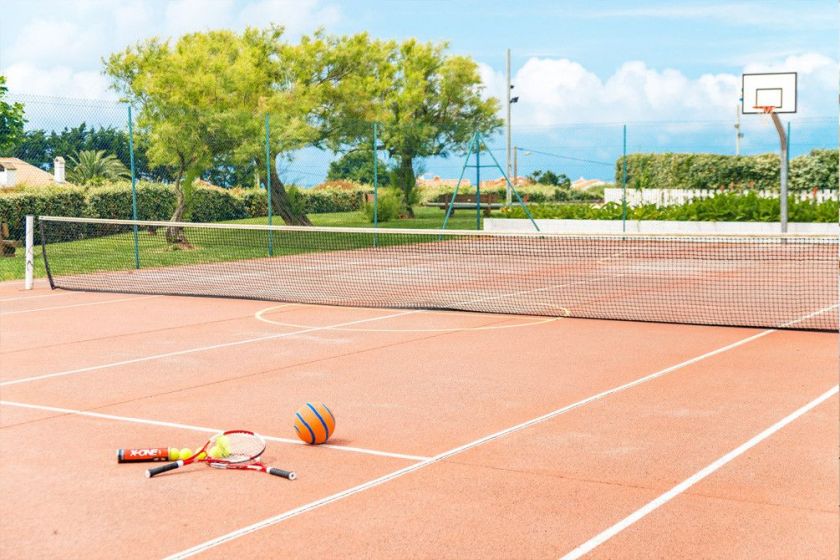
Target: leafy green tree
[
  {"x": 550, "y": 178},
  {"x": 90, "y": 167},
  {"x": 11, "y": 121},
  {"x": 430, "y": 104},
  {"x": 357, "y": 165}
]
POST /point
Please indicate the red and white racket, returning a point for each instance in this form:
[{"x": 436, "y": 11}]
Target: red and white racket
[{"x": 236, "y": 449}]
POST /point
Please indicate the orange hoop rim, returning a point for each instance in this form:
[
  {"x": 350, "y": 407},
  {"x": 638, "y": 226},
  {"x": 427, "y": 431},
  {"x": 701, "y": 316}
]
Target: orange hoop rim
[{"x": 767, "y": 109}]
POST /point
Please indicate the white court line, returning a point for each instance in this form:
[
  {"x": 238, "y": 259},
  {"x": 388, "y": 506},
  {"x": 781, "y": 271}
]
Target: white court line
[
  {"x": 199, "y": 349},
  {"x": 268, "y": 522},
  {"x": 204, "y": 429},
  {"x": 76, "y": 305},
  {"x": 36, "y": 297},
  {"x": 609, "y": 533}
]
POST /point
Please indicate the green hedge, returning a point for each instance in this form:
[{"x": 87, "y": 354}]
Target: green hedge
[
  {"x": 723, "y": 207},
  {"x": 49, "y": 201},
  {"x": 818, "y": 169},
  {"x": 535, "y": 194},
  {"x": 156, "y": 201}
]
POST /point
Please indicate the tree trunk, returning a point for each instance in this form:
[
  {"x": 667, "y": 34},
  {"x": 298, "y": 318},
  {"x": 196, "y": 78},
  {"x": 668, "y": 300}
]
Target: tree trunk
[
  {"x": 280, "y": 205},
  {"x": 175, "y": 235},
  {"x": 407, "y": 182}
]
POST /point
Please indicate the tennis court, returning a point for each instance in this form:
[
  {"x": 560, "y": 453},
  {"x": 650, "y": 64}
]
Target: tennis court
[{"x": 530, "y": 433}]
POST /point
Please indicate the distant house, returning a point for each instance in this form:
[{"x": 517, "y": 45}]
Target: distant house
[
  {"x": 436, "y": 181},
  {"x": 583, "y": 184},
  {"x": 14, "y": 172}
]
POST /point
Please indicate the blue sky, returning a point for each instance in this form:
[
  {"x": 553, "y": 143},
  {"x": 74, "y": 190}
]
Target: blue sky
[{"x": 576, "y": 64}]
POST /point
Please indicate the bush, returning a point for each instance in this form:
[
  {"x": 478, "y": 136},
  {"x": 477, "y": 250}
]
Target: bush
[
  {"x": 254, "y": 200},
  {"x": 818, "y": 169},
  {"x": 723, "y": 207},
  {"x": 390, "y": 206},
  {"x": 46, "y": 201},
  {"x": 323, "y": 201},
  {"x": 154, "y": 201},
  {"x": 214, "y": 204}
]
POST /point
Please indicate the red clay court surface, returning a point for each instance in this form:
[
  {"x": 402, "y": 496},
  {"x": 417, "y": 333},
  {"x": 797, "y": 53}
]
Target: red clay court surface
[{"x": 458, "y": 435}]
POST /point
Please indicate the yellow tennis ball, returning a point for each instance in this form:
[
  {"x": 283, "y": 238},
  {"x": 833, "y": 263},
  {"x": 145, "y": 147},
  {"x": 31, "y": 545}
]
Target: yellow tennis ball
[
  {"x": 186, "y": 453},
  {"x": 174, "y": 454},
  {"x": 223, "y": 443},
  {"x": 201, "y": 456},
  {"x": 214, "y": 452}
]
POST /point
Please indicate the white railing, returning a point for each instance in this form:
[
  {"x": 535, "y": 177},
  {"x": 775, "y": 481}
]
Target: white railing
[{"x": 672, "y": 197}]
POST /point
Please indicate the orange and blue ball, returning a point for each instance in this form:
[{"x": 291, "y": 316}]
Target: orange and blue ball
[{"x": 314, "y": 423}]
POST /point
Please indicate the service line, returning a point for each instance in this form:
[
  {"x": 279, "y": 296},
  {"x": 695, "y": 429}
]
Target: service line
[
  {"x": 270, "y": 521},
  {"x": 205, "y": 429}
]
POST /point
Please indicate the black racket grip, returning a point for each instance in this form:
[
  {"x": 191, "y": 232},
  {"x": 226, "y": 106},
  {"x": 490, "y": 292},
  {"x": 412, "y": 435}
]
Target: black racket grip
[
  {"x": 280, "y": 472},
  {"x": 163, "y": 468}
]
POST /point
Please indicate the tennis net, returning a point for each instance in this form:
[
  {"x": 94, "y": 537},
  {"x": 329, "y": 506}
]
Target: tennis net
[{"x": 778, "y": 281}]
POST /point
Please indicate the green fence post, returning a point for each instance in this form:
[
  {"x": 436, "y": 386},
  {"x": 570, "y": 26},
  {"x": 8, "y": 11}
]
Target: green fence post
[
  {"x": 375, "y": 182},
  {"x": 133, "y": 188},
  {"x": 624, "y": 180},
  {"x": 477, "y": 182},
  {"x": 268, "y": 183}
]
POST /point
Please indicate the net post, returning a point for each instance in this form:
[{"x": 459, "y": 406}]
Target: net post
[
  {"x": 133, "y": 188},
  {"x": 514, "y": 191},
  {"x": 624, "y": 179},
  {"x": 268, "y": 180},
  {"x": 29, "y": 253}
]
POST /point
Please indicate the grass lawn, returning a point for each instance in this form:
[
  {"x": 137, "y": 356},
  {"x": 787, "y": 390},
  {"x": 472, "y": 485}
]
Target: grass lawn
[{"x": 116, "y": 251}]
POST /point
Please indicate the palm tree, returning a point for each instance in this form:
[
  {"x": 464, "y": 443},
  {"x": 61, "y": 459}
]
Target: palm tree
[{"x": 95, "y": 167}]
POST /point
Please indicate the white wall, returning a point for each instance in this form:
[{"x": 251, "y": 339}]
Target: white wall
[
  {"x": 655, "y": 226},
  {"x": 670, "y": 197}
]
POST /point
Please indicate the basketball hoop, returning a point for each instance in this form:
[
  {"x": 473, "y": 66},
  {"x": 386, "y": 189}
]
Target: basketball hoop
[{"x": 766, "y": 109}]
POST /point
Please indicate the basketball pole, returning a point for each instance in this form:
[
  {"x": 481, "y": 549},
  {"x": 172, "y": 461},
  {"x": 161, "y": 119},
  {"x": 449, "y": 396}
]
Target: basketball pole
[{"x": 783, "y": 170}]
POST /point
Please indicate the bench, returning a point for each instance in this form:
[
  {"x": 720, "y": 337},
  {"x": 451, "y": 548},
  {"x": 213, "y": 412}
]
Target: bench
[{"x": 467, "y": 202}]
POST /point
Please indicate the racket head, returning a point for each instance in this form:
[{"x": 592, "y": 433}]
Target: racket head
[{"x": 243, "y": 446}]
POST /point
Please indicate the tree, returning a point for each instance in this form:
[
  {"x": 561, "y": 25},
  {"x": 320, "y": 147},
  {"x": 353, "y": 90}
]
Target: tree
[
  {"x": 202, "y": 101},
  {"x": 550, "y": 178},
  {"x": 11, "y": 121},
  {"x": 430, "y": 105},
  {"x": 357, "y": 165},
  {"x": 90, "y": 167}
]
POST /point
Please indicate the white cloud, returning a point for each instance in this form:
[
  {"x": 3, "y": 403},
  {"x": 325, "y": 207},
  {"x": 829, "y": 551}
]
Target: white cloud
[
  {"x": 553, "y": 91},
  {"x": 59, "y": 52}
]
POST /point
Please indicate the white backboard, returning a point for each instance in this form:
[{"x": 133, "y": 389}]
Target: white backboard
[{"x": 777, "y": 90}]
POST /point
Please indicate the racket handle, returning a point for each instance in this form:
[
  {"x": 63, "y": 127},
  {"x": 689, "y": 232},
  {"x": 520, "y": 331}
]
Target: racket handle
[
  {"x": 280, "y": 472},
  {"x": 163, "y": 468}
]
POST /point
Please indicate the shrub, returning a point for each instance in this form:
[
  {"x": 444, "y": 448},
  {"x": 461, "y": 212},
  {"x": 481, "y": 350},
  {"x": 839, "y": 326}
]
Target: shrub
[
  {"x": 154, "y": 201},
  {"x": 254, "y": 200},
  {"x": 214, "y": 204},
  {"x": 323, "y": 201},
  {"x": 390, "y": 206},
  {"x": 55, "y": 201},
  {"x": 817, "y": 169}
]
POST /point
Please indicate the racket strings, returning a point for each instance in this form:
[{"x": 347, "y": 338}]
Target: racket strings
[{"x": 243, "y": 447}]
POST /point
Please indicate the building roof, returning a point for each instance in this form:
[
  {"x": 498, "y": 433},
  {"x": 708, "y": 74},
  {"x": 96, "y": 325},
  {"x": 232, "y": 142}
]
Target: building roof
[{"x": 28, "y": 174}]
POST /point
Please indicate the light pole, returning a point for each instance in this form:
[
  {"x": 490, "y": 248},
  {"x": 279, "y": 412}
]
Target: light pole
[{"x": 510, "y": 101}]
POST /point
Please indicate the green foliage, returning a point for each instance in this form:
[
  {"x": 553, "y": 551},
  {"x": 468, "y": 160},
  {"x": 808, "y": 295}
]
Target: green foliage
[
  {"x": 723, "y": 208},
  {"x": 550, "y": 178},
  {"x": 11, "y": 122},
  {"x": 357, "y": 165},
  {"x": 713, "y": 171},
  {"x": 389, "y": 207},
  {"x": 817, "y": 170},
  {"x": 254, "y": 200},
  {"x": 49, "y": 201},
  {"x": 210, "y": 204},
  {"x": 90, "y": 167},
  {"x": 154, "y": 201}
]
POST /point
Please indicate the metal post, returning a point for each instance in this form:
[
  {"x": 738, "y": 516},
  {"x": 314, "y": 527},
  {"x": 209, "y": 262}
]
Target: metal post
[
  {"x": 783, "y": 171},
  {"x": 477, "y": 182},
  {"x": 508, "y": 126},
  {"x": 457, "y": 185},
  {"x": 29, "y": 254},
  {"x": 624, "y": 180},
  {"x": 738, "y": 134},
  {"x": 268, "y": 181},
  {"x": 515, "y": 167},
  {"x": 375, "y": 180},
  {"x": 133, "y": 188}
]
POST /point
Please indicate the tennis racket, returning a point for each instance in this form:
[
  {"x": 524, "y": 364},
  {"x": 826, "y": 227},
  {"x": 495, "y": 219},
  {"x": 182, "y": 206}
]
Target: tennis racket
[{"x": 238, "y": 449}]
